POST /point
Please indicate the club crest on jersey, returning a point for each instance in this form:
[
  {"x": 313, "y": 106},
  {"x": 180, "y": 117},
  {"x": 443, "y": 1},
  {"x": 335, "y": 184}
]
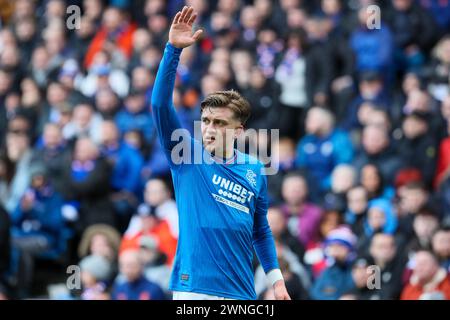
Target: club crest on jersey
[{"x": 251, "y": 177}]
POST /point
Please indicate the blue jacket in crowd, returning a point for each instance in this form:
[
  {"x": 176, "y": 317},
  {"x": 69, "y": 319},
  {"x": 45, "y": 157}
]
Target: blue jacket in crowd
[
  {"x": 141, "y": 289},
  {"x": 374, "y": 49},
  {"x": 142, "y": 121},
  {"x": 127, "y": 165},
  {"x": 320, "y": 155},
  {"x": 44, "y": 218},
  {"x": 333, "y": 282}
]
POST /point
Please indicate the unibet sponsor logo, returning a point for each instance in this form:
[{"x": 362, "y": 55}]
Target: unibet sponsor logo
[{"x": 231, "y": 190}]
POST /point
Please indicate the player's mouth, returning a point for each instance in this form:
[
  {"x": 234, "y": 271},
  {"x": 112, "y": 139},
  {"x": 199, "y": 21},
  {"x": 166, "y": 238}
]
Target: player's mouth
[{"x": 209, "y": 140}]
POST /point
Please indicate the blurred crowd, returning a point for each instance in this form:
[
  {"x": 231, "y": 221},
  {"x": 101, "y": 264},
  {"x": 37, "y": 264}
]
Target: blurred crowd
[{"x": 359, "y": 207}]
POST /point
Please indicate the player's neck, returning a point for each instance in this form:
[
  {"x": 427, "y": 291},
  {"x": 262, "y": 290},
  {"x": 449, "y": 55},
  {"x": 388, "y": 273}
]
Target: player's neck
[{"x": 225, "y": 154}]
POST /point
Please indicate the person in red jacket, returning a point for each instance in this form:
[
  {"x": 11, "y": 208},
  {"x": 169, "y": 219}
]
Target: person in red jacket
[
  {"x": 428, "y": 278},
  {"x": 443, "y": 165},
  {"x": 116, "y": 33},
  {"x": 151, "y": 225}
]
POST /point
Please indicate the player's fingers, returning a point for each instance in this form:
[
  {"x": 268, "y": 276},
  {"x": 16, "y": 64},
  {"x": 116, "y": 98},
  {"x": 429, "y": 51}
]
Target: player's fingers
[
  {"x": 177, "y": 17},
  {"x": 183, "y": 13},
  {"x": 188, "y": 15},
  {"x": 192, "y": 19},
  {"x": 197, "y": 34}
]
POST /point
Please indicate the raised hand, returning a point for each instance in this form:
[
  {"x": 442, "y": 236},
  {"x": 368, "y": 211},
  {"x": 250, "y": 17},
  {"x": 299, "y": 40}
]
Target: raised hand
[{"x": 180, "y": 34}]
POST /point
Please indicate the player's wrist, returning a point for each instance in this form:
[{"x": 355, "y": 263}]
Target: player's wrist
[
  {"x": 172, "y": 47},
  {"x": 275, "y": 276}
]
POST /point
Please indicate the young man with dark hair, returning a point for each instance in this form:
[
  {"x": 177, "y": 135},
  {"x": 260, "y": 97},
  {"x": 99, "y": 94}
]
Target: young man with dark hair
[{"x": 222, "y": 204}]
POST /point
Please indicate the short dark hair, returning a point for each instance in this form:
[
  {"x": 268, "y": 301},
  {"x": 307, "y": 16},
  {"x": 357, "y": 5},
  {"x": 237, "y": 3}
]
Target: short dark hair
[{"x": 228, "y": 99}]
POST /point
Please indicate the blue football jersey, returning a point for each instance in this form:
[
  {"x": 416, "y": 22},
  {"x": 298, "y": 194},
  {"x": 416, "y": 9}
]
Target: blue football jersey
[{"x": 222, "y": 207}]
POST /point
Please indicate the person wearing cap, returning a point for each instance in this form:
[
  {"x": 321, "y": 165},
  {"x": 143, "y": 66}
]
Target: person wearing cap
[{"x": 336, "y": 279}]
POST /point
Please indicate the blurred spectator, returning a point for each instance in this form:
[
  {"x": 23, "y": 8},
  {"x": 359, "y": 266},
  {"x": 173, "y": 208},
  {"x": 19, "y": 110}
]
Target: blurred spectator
[
  {"x": 278, "y": 225},
  {"x": 135, "y": 285},
  {"x": 315, "y": 250},
  {"x": 303, "y": 217},
  {"x": 301, "y": 61},
  {"x": 377, "y": 150},
  {"x": 360, "y": 278},
  {"x": 126, "y": 163},
  {"x": 357, "y": 204},
  {"x": 439, "y": 11},
  {"x": 368, "y": 54},
  {"x": 150, "y": 225},
  {"x": 438, "y": 70},
  {"x": 294, "y": 269},
  {"x": 154, "y": 261},
  {"x": 372, "y": 180},
  {"x": 411, "y": 199},
  {"x": 158, "y": 195},
  {"x": 390, "y": 260},
  {"x": 440, "y": 242},
  {"x": 426, "y": 222},
  {"x": 294, "y": 285},
  {"x": 87, "y": 188},
  {"x": 381, "y": 218},
  {"x": 371, "y": 92},
  {"x": 418, "y": 145},
  {"x": 102, "y": 74},
  {"x": 414, "y": 32},
  {"x": 100, "y": 240},
  {"x": 336, "y": 279},
  {"x": 135, "y": 115},
  {"x": 107, "y": 103},
  {"x": 96, "y": 276},
  {"x": 427, "y": 277},
  {"x": 52, "y": 153},
  {"x": 114, "y": 35},
  {"x": 19, "y": 153},
  {"x": 36, "y": 225},
  {"x": 84, "y": 122},
  {"x": 282, "y": 158},
  {"x": 323, "y": 148},
  {"x": 262, "y": 96}
]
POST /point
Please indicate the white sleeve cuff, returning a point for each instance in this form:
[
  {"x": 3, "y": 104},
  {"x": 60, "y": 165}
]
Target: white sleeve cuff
[{"x": 274, "y": 275}]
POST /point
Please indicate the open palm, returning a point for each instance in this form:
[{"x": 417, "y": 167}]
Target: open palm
[{"x": 180, "y": 34}]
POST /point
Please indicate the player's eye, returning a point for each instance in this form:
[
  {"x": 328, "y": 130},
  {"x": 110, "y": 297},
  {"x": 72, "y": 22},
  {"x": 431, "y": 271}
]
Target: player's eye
[{"x": 205, "y": 121}]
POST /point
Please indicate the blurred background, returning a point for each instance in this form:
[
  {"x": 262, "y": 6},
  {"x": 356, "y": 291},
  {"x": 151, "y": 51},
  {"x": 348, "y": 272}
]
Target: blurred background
[{"x": 362, "y": 102}]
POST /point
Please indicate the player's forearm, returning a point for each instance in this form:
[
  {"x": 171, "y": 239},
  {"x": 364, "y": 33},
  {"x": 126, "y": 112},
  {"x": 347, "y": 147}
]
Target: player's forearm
[
  {"x": 164, "y": 114},
  {"x": 265, "y": 249}
]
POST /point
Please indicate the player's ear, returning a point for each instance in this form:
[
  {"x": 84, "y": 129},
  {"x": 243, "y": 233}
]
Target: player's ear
[{"x": 238, "y": 131}]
